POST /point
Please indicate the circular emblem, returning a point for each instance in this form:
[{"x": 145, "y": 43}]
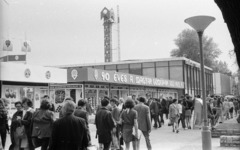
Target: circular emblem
[
  {"x": 48, "y": 74},
  {"x": 16, "y": 57},
  {"x": 74, "y": 73},
  {"x": 95, "y": 74},
  {"x": 27, "y": 73}
]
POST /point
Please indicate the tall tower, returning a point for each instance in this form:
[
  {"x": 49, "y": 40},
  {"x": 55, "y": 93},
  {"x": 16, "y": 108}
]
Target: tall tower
[{"x": 108, "y": 20}]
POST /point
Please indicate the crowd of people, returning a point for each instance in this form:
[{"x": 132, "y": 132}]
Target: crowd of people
[{"x": 118, "y": 121}]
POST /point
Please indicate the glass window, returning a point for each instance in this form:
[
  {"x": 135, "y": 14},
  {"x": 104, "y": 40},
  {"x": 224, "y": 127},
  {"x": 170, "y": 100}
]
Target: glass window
[
  {"x": 111, "y": 67},
  {"x": 150, "y": 64},
  {"x": 149, "y": 72},
  {"x": 99, "y": 67},
  {"x": 123, "y": 70},
  {"x": 135, "y": 65},
  {"x": 162, "y": 72},
  {"x": 162, "y": 63},
  {"x": 122, "y": 66},
  {"x": 176, "y": 73},
  {"x": 136, "y": 71},
  {"x": 176, "y": 63}
]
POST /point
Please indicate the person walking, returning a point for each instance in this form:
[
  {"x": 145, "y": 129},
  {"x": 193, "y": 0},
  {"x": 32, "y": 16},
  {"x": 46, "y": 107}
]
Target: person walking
[
  {"x": 165, "y": 109},
  {"x": 82, "y": 113},
  {"x": 129, "y": 121},
  {"x": 210, "y": 114},
  {"x": 116, "y": 117},
  {"x": 42, "y": 122},
  {"x": 104, "y": 124},
  {"x": 15, "y": 140},
  {"x": 4, "y": 128},
  {"x": 226, "y": 107},
  {"x": 69, "y": 132},
  {"x": 26, "y": 141},
  {"x": 187, "y": 104},
  {"x": 182, "y": 114},
  {"x": 198, "y": 112},
  {"x": 231, "y": 108},
  {"x": 219, "y": 111},
  {"x": 154, "y": 110},
  {"x": 174, "y": 115},
  {"x": 144, "y": 122}
]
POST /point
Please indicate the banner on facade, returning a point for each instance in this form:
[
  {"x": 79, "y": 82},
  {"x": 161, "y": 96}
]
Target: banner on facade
[{"x": 96, "y": 75}]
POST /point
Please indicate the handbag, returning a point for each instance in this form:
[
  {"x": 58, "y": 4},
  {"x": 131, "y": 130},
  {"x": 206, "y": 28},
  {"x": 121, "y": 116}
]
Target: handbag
[{"x": 139, "y": 133}]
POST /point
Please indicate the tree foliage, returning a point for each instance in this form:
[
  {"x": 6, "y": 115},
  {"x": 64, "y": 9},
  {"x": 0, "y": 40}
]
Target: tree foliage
[
  {"x": 221, "y": 66},
  {"x": 187, "y": 44}
]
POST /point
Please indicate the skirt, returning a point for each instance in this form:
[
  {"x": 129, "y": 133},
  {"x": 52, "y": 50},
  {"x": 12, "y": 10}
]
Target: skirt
[
  {"x": 127, "y": 135},
  {"x": 188, "y": 113}
]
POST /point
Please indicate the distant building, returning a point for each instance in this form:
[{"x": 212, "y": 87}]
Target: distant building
[{"x": 222, "y": 84}]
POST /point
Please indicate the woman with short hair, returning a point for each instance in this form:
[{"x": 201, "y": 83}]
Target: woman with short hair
[
  {"x": 25, "y": 120},
  {"x": 15, "y": 124},
  {"x": 128, "y": 119},
  {"x": 42, "y": 121}
]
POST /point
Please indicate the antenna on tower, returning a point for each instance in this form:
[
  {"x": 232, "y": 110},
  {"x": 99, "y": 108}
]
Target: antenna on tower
[{"x": 118, "y": 30}]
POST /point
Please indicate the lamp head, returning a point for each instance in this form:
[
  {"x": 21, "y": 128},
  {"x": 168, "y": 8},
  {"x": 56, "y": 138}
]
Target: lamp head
[{"x": 199, "y": 23}]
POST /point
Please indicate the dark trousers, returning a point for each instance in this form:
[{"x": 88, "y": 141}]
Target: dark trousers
[
  {"x": 182, "y": 119},
  {"x": 3, "y": 137},
  {"x": 161, "y": 115},
  {"x": 106, "y": 146},
  {"x": 155, "y": 117}
]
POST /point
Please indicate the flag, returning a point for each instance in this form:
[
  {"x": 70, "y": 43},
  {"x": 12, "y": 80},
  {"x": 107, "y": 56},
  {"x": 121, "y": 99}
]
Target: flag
[
  {"x": 7, "y": 46},
  {"x": 26, "y": 47}
]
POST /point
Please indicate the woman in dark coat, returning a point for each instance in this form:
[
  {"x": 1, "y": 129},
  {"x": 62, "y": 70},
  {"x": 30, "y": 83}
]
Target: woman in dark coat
[
  {"x": 26, "y": 143},
  {"x": 15, "y": 123},
  {"x": 3, "y": 122},
  {"x": 42, "y": 122}
]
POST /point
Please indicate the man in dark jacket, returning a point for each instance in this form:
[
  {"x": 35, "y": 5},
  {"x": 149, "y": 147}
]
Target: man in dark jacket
[
  {"x": 105, "y": 124},
  {"x": 69, "y": 132},
  {"x": 154, "y": 110}
]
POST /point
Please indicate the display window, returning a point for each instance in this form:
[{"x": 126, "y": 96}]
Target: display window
[
  {"x": 138, "y": 91},
  {"x": 119, "y": 92},
  {"x": 95, "y": 93},
  {"x": 165, "y": 93},
  {"x": 58, "y": 93},
  {"x": 16, "y": 93}
]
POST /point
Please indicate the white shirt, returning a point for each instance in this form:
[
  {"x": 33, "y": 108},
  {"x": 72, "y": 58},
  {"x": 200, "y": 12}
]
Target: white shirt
[{"x": 179, "y": 106}]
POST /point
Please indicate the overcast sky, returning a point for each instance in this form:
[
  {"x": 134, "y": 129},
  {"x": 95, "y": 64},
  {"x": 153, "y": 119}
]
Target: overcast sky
[{"x": 71, "y": 31}]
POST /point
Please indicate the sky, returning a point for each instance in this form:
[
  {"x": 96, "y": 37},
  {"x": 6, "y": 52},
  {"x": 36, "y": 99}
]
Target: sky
[{"x": 65, "y": 32}]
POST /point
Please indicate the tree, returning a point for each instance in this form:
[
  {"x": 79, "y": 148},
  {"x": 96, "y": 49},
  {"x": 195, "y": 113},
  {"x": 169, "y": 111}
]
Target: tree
[
  {"x": 230, "y": 11},
  {"x": 222, "y": 67},
  {"x": 188, "y": 45}
]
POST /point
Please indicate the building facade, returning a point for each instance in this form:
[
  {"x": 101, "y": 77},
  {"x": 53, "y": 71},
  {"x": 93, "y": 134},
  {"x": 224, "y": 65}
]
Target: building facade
[
  {"x": 222, "y": 84},
  {"x": 182, "y": 70}
]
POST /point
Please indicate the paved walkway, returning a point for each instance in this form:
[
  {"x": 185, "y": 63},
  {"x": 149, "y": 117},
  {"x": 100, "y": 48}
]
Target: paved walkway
[{"x": 164, "y": 139}]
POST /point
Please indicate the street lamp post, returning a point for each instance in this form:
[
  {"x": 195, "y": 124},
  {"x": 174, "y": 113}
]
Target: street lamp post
[{"x": 200, "y": 23}]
